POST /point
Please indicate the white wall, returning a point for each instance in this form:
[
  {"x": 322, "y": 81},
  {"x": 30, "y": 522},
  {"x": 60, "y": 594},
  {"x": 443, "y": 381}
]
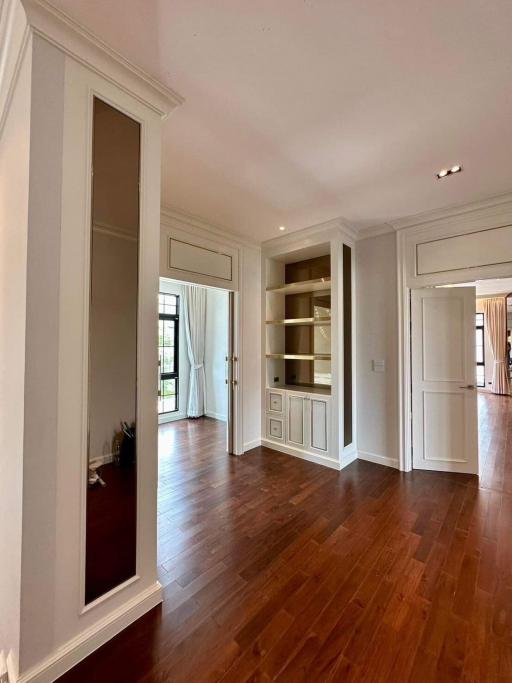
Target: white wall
[
  {"x": 216, "y": 348},
  {"x": 377, "y": 339},
  {"x": 251, "y": 346},
  {"x": 14, "y": 178},
  {"x": 171, "y": 287}
]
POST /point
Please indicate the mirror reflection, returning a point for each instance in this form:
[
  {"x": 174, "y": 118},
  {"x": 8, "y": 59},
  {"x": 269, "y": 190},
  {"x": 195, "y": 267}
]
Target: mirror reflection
[{"x": 112, "y": 454}]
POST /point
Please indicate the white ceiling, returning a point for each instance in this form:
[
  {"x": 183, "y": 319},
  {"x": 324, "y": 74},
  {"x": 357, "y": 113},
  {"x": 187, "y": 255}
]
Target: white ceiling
[{"x": 299, "y": 111}]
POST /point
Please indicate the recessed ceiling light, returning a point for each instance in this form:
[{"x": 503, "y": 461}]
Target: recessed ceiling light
[
  {"x": 281, "y": 227},
  {"x": 449, "y": 171}
]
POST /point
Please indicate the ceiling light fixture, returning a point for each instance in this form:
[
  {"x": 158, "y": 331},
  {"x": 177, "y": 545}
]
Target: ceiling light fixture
[
  {"x": 449, "y": 171},
  {"x": 281, "y": 227}
]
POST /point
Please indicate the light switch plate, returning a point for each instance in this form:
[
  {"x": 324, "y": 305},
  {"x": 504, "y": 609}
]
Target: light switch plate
[{"x": 378, "y": 365}]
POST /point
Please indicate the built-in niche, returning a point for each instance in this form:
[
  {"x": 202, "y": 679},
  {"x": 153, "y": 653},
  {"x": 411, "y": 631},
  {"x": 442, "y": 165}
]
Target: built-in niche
[
  {"x": 300, "y": 325},
  {"x": 309, "y": 339},
  {"x": 111, "y": 519}
]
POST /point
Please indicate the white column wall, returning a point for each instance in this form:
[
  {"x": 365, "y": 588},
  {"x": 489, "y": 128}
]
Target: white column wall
[
  {"x": 14, "y": 178},
  {"x": 377, "y": 339}
]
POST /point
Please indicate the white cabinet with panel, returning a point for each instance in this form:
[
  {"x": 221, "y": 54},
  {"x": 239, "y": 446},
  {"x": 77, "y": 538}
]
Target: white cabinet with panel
[
  {"x": 319, "y": 424},
  {"x": 275, "y": 401},
  {"x": 299, "y": 421},
  {"x": 276, "y": 428},
  {"x": 297, "y": 406}
]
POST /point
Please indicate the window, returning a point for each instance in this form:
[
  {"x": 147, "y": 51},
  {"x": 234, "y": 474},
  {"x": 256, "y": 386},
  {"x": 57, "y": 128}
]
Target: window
[
  {"x": 168, "y": 352},
  {"x": 480, "y": 352}
]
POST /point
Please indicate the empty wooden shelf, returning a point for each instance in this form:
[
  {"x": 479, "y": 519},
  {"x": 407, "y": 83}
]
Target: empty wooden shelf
[
  {"x": 318, "y": 285},
  {"x": 300, "y": 356},
  {"x": 300, "y": 321}
]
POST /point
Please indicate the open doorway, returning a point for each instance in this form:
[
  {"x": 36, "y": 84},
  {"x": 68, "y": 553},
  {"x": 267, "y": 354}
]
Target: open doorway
[
  {"x": 196, "y": 381},
  {"x": 460, "y": 370}
]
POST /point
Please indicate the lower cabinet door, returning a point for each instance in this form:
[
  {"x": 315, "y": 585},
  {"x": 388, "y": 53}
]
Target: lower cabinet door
[
  {"x": 275, "y": 428},
  {"x": 296, "y": 420},
  {"x": 319, "y": 424}
]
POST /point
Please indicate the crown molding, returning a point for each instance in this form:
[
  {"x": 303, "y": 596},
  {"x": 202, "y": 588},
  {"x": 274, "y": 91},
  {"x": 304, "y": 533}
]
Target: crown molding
[
  {"x": 14, "y": 38},
  {"x": 335, "y": 225},
  {"x": 170, "y": 215},
  {"x": 452, "y": 211},
  {"x": 69, "y": 36},
  {"x": 374, "y": 231}
]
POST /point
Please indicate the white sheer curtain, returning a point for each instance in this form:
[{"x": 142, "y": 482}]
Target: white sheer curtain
[
  {"x": 496, "y": 318},
  {"x": 195, "y": 330}
]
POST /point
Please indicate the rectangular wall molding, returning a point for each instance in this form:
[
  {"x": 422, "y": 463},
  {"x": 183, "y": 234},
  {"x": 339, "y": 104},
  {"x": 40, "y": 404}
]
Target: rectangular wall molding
[
  {"x": 489, "y": 247},
  {"x": 200, "y": 260}
]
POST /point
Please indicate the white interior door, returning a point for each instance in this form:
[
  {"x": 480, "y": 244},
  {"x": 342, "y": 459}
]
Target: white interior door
[{"x": 444, "y": 397}]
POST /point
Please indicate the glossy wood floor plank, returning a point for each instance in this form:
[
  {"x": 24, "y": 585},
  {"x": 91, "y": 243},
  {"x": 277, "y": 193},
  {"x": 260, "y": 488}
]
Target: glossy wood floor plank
[{"x": 277, "y": 569}]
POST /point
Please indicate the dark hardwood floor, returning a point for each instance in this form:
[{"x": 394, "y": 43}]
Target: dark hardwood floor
[
  {"x": 111, "y": 536},
  {"x": 277, "y": 569}
]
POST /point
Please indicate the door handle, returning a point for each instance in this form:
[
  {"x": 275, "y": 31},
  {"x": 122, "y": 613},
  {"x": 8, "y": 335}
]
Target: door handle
[{"x": 468, "y": 386}]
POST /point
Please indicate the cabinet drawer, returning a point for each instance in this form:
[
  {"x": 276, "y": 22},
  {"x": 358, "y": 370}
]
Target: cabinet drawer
[
  {"x": 275, "y": 428},
  {"x": 275, "y": 401}
]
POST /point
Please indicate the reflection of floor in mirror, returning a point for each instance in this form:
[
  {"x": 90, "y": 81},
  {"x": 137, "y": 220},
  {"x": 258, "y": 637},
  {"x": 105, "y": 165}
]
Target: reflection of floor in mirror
[
  {"x": 278, "y": 569},
  {"x": 111, "y": 530}
]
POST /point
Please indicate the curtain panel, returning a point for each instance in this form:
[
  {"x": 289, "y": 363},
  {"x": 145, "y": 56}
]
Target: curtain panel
[
  {"x": 195, "y": 332},
  {"x": 495, "y": 310}
]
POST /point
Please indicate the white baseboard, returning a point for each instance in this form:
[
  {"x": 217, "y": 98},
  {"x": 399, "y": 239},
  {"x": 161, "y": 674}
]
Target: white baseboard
[
  {"x": 379, "y": 459},
  {"x": 216, "y": 416},
  {"x": 252, "y": 444},
  {"x": 348, "y": 458},
  {"x": 304, "y": 455},
  {"x": 91, "y": 639},
  {"x": 12, "y": 667},
  {"x": 171, "y": 417}
]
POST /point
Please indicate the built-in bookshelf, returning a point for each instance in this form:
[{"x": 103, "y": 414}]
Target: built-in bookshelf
[
  {"x": 299, "y": 322},
  {"x": 307, "y": 331}
]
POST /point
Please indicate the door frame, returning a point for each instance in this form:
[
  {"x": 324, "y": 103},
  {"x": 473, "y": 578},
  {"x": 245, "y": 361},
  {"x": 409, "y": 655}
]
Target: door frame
[
  {"x": 405, "y": 415},
  {"x": 234, "y": 441}
]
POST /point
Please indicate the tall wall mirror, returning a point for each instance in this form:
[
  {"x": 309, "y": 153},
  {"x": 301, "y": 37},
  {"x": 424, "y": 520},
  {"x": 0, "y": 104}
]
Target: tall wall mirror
[{"x": 111, "y": 520}]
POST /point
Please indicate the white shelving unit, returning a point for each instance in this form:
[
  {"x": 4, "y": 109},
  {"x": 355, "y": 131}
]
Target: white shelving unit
[{"x": 306, "y": 419}]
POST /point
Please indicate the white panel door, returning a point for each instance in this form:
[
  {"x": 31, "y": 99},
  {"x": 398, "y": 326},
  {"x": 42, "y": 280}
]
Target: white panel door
[
  {"x": 296, "y": 422},
  {"x": 444, "y": 398}
]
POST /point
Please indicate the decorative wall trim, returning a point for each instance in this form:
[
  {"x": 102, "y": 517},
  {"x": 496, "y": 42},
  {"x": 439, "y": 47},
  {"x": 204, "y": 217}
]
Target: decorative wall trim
[
  {"x": 89, "y": 640},
  {"x": 209, "y": 254},
  {"x": 336, "y": 225},
  {"x": 170, "y": 214},
  {"x": 454, "y": 245},
  {"x": 375, "y": 231},
  {"x": 379, "y": 459},
  {"x": 13, "y": 41},
  {"x": 61, "y": 30},
  {"x": 450, "y": 211}
]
